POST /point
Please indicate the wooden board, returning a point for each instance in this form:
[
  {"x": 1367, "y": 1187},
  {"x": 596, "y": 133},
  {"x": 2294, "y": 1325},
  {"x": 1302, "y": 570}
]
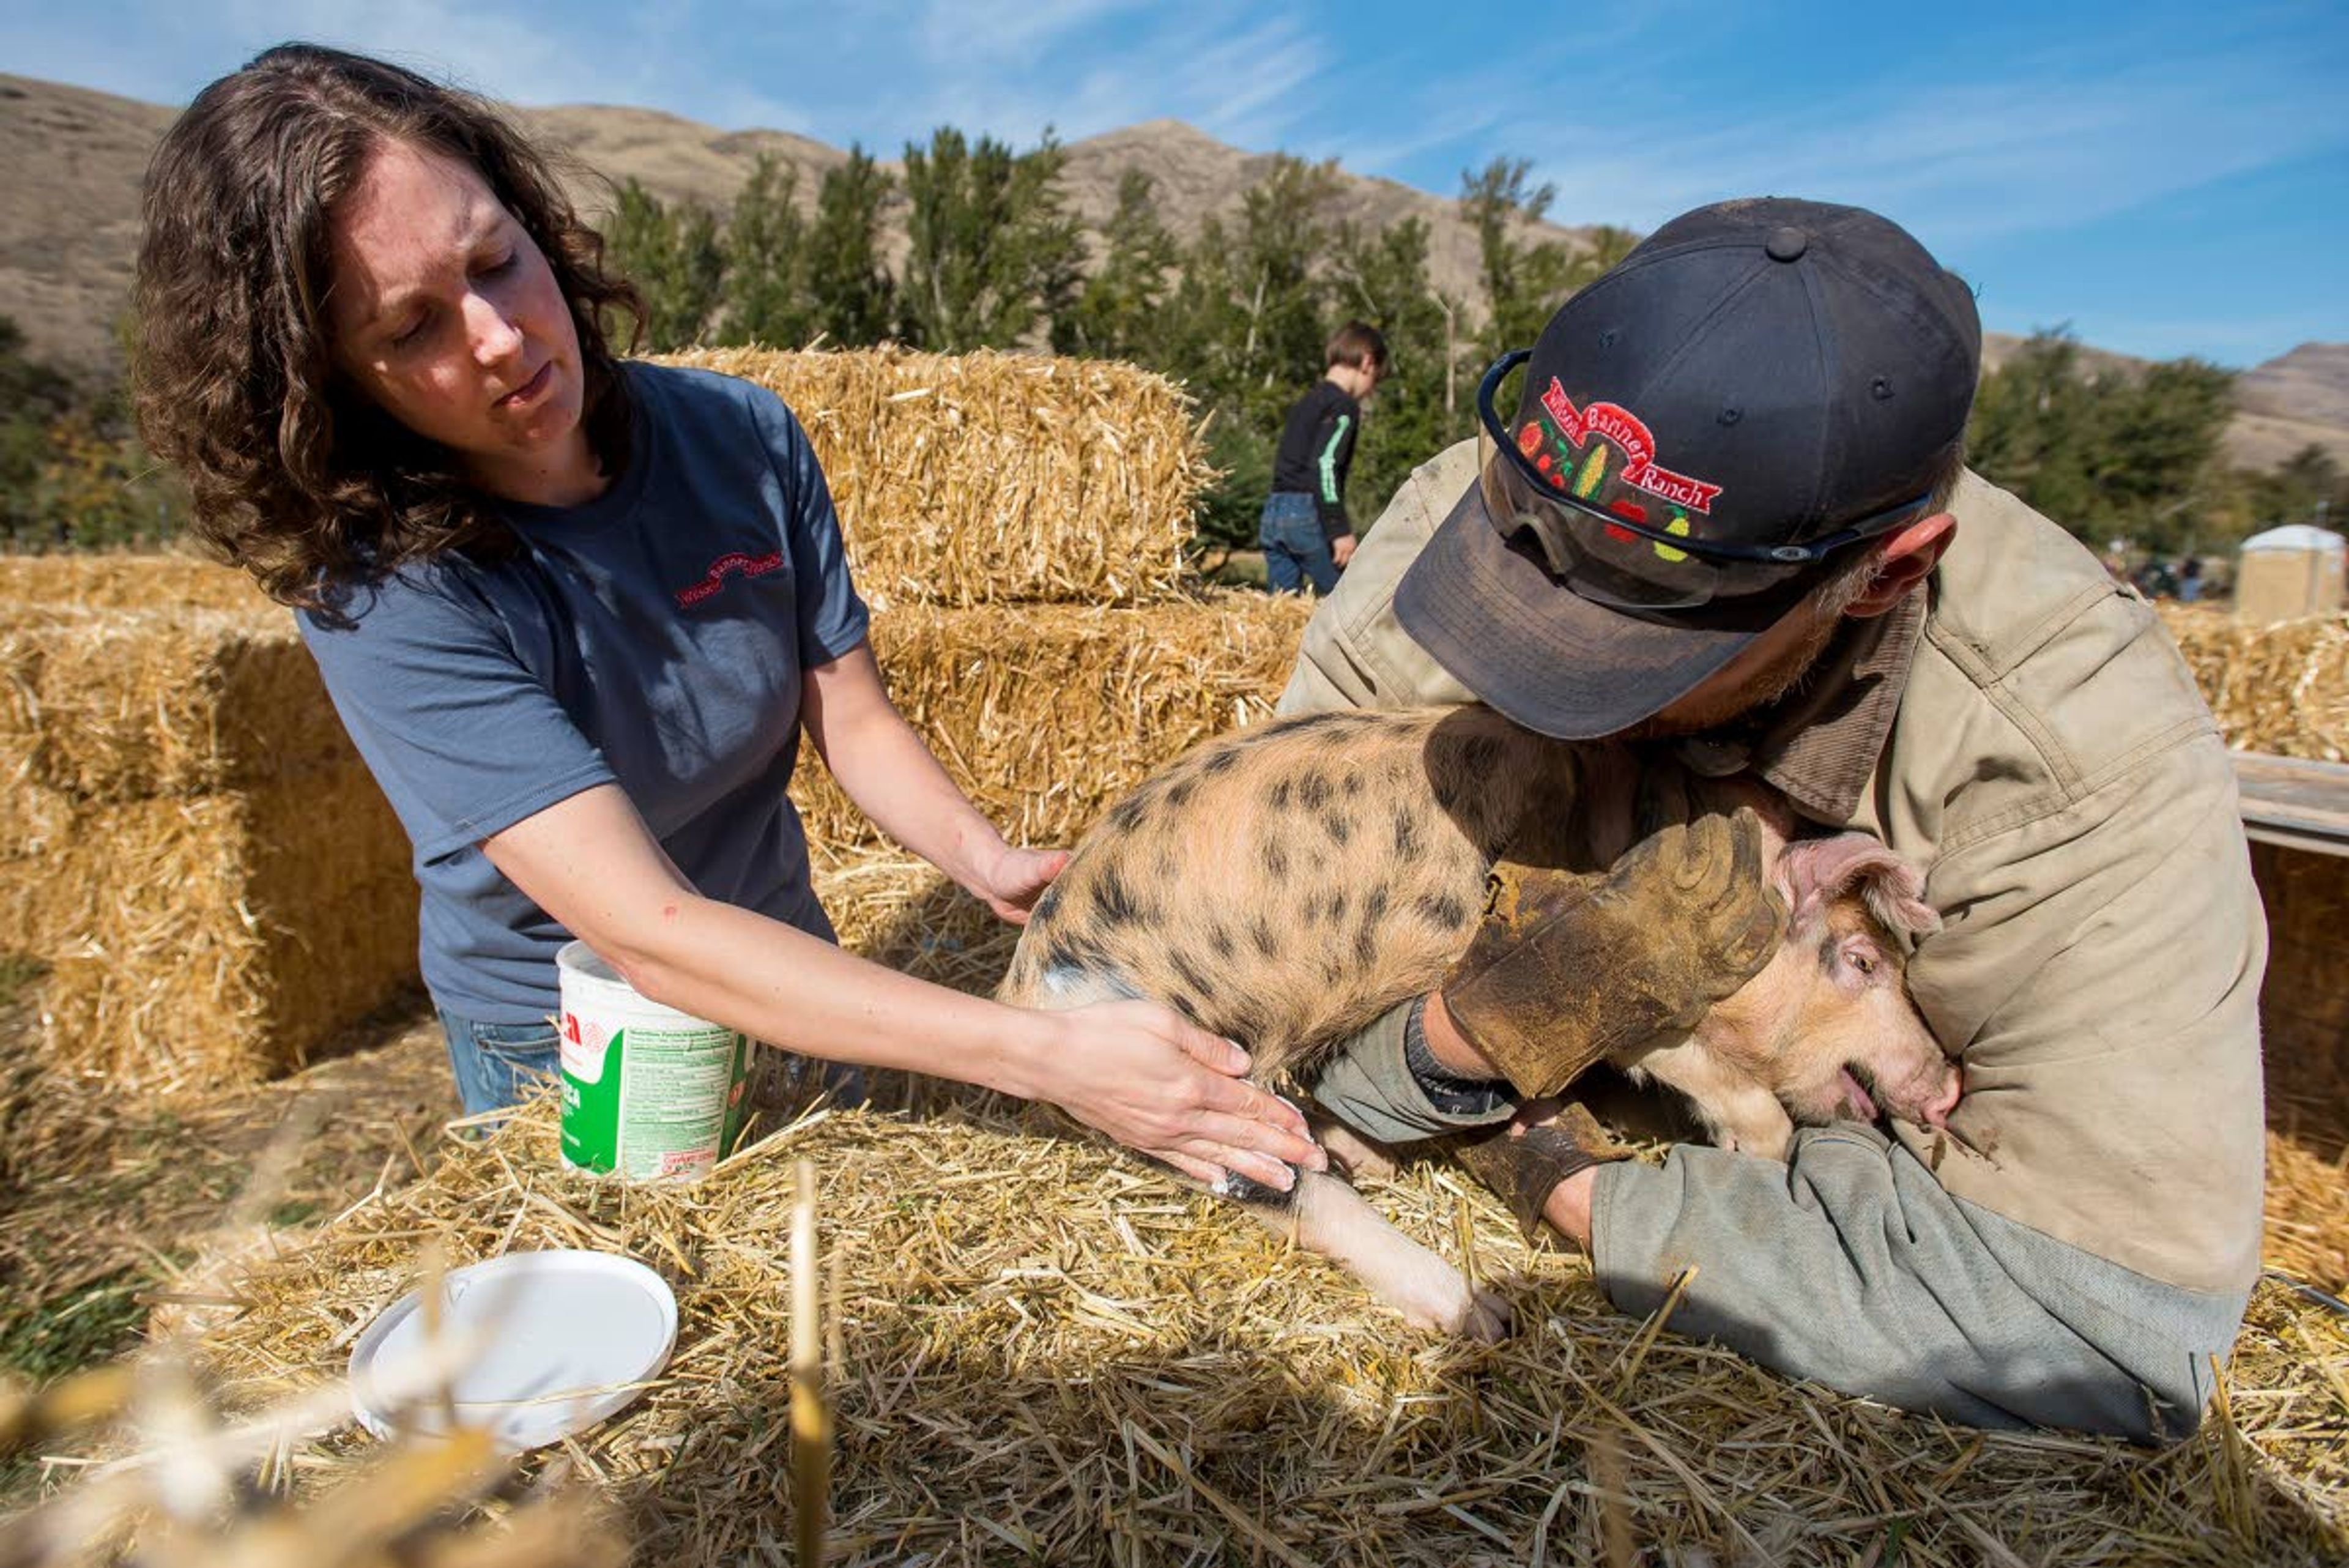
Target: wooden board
[{"x": 2296, "y": 804}]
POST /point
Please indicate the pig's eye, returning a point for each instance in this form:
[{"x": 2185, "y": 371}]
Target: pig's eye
[{"x": 1862, "y": 962}]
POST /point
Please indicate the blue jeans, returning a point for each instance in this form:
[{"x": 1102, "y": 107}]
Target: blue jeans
[
  {"x": 1295, "y": 550},
  {"x": 498, "y": 1063}
]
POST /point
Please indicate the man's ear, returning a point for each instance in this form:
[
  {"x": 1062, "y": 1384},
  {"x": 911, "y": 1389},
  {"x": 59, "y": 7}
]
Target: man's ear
[{"x": 1902, "y": 562}]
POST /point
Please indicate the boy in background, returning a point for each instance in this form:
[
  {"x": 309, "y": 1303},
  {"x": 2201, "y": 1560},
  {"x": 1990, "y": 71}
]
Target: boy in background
[{"x": 1305, "y": 532}]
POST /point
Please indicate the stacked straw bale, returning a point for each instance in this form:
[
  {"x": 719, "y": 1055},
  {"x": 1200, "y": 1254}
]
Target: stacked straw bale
[
  {"x": 2282, "y": 689},
  {"x": 1044, "y": 1353},
  {"x": 993, "y": 478},
  {"x": 1046, "y": 714},
  {"x": 191, "y": 847}
]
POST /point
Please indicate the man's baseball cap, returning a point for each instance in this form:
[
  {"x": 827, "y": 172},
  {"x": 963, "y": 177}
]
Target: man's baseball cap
[{"x": 1757, "y": 387}]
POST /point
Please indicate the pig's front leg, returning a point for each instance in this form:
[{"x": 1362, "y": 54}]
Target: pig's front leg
[
  {"x": 1328, "y": 1217},
  {"x": 1738, "y": 1111}
]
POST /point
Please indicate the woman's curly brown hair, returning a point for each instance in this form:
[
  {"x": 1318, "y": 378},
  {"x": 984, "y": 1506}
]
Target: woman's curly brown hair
[{"x": 297, "y": 477}]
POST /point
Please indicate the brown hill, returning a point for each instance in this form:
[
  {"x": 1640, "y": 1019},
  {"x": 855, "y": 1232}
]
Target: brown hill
[{"x": 68, "y": 223}]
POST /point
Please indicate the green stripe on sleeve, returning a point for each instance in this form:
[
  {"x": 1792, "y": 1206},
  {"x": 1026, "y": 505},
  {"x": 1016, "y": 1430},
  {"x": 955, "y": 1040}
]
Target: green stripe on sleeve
[{"x": 1330, "y": 458}]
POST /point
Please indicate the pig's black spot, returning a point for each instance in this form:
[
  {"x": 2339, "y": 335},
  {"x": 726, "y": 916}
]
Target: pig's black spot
[
  {"x": 1352, "y": 783},
  {"x": 1128, "y": 813},
  {"x": 1366, "y": 941},
  {"x": 1276, "y": 859},
  {"x": 1261, "y": 934},
  {"x": 1333, "y": 967},
  {"x": 1114, "y": 900},
  {"x": 1374, "y": 907},
  {"x": 1443, "y": 910},
  {"x": 1223, "y": 761},
  {"x": 1190, "y": 973},
  {"x": 1278, "y": 797},
  {"x": 1313, "y": 792},
  {"x": 1220, "y": 939},
  {"x": 1337, "y": 902},
  {"x": 1050, "y": 904},
  {"x": 1183, "y": 1005},
  {"x": 1406, "y": 833},
  {"x": 1180, "y": 792},
  {"x": 1337, "y": 825}
]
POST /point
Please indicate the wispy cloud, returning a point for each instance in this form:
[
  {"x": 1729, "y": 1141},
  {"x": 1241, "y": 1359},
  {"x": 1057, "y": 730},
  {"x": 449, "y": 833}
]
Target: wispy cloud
[{"x": 1973, "y": 160}]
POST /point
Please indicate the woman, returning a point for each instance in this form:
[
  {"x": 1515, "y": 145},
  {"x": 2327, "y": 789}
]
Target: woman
[{"x": 573, "y": 611}]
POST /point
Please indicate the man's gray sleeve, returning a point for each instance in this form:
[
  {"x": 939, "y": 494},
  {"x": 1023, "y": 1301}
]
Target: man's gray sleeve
[{"x": 1852, "y": 1266}]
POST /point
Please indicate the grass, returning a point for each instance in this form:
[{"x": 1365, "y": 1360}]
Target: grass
[{"x": 75, "y": 1328}]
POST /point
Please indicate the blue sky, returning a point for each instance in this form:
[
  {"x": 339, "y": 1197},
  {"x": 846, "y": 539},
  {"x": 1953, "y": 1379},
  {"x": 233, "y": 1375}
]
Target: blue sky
[{"x": 2170, "y": 179}]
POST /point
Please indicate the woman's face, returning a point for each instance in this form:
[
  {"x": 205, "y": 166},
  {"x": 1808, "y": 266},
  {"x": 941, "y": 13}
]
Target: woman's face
[{"x": 446, "y": 315}]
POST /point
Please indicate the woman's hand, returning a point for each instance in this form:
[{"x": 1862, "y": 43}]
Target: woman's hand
[
  {"x": 1158, "y": 1084},
  {"x": 1013, "y": 880}
]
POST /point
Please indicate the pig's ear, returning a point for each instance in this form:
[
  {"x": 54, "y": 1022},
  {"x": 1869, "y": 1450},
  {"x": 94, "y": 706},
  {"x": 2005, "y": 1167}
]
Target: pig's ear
[{"x": 1813, "y": 871}]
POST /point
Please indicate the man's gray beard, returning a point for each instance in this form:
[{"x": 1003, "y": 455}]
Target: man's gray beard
[{"x": 1767, "y": 687}]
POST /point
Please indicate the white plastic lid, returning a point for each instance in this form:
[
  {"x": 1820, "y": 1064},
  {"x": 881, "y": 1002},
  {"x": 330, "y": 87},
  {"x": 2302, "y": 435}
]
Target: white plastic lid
[{"x": 552, "y": 1343}]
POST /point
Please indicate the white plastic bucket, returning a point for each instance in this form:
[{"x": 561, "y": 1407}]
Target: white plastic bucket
[{"x": 649, "y": 1093}]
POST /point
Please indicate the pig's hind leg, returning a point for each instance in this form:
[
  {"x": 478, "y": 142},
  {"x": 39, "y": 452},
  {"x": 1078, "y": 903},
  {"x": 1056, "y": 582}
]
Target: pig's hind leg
[
  {"x": 1321, "y": 1212},
  {"x": 1325, "y": 1215}
]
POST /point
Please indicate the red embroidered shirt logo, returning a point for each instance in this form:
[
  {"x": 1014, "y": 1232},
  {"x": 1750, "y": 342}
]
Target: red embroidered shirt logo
[
  {"x": 1627, "y": 429},
  {"x": 733, "y": 561}
]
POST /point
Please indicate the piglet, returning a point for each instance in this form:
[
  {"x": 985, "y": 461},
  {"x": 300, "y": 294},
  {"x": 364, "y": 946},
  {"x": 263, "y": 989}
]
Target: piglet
[{"x": 1286, "y": 886}]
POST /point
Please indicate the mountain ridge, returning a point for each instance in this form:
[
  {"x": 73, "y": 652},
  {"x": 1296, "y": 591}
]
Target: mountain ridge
[{"x": 69, "y": 222}]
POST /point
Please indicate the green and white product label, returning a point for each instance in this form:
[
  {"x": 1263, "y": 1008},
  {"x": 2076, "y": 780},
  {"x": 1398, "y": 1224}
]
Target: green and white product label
[{"x": 650, "y": 1103}]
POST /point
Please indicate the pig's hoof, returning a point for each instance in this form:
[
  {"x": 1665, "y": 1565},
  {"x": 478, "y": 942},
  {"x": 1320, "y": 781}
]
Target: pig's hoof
[
  {"x": 1488, "y": 1319},
  {"x": 1477, "y": 1315}
]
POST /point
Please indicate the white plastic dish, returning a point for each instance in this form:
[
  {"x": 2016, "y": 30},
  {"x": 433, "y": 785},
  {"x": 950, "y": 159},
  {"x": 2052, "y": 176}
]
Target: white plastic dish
[{"x": 551, "y": 1343}]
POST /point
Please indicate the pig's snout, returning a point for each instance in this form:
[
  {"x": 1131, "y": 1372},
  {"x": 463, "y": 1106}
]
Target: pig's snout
[
  {"x": 1936, "y": 1107},
  {"x": 1926, "y": 1097}
]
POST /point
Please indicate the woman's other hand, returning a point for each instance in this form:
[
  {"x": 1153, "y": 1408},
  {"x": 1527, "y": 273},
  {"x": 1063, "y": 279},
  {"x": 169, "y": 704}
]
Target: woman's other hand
[
  {"x": 1015, "y": 878},
  {"x": 1161, "y": 1084}
]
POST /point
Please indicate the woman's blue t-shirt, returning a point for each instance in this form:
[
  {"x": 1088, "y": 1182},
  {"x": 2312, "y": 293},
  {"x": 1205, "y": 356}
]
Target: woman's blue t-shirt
[{"x": 653, "y": 637}]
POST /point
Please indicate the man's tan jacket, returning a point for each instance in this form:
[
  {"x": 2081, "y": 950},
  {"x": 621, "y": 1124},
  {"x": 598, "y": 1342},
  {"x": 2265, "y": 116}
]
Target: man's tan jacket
[{"x": 2049, "y": 761}]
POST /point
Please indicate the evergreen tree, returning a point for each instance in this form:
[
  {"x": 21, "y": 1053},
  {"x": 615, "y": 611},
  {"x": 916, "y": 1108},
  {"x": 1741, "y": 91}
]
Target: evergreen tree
[
  {"x": 1424, "y": 403},
  {"x": 673, "y": 258},
  {"x": 851, "y": 292},
  {"x": 1524, "y": 282},
  {"x": 1120, "y": 311},
  {"x": 2104, "y": 454},
  {"x": 1247, "y": 327},
  {"x": 993, "y": 253},
  {"x": 767, "y": 299}
]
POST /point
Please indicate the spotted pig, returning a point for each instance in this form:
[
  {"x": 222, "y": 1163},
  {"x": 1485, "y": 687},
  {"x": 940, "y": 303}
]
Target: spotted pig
[{"x": 1286, "y": 886}]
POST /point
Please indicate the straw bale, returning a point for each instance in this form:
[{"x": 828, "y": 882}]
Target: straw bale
[
  {"x": 989, "y": 478},
  {"x": 1046, "y": 714},
  {"x": 157, "y": 581},
  {"x": 118, "y": 703},
  {"x": 1046, "y": 1354},
  {"x": 199, "y": 940},
  {"x": 2282, "y": 689}
]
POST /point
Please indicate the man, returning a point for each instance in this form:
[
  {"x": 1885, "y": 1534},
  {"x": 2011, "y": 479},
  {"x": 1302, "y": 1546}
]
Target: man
[{"x": 1731, "y": 511}]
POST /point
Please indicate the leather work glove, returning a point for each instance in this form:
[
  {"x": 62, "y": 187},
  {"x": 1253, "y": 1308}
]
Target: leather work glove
[
  {"x": 1566, "y": 970},
  {"x": 1524, "y": 1169}
]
